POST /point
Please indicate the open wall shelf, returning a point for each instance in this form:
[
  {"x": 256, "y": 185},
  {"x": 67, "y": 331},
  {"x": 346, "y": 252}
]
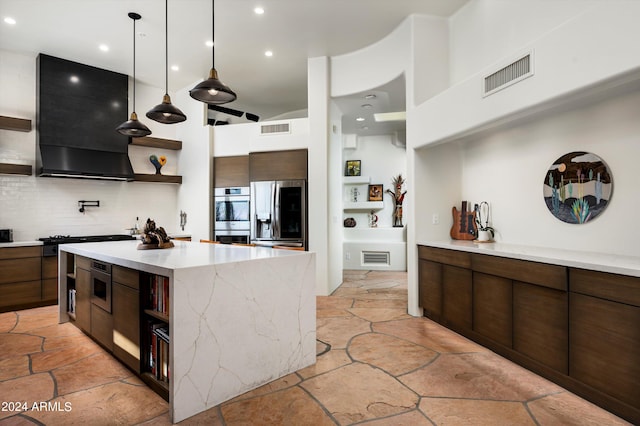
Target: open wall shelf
[
  {"x": 17, "y": 124},
  {"x": 157, "y": 143},
  {"x": 16, "y": 169},
  {"x": 137, "y": 177}
]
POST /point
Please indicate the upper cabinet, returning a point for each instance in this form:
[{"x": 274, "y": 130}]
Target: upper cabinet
[
  {"x": 278, "y": 165},
  {"x": 19, "y": 125},
  {"x": 231, "y": 171}
]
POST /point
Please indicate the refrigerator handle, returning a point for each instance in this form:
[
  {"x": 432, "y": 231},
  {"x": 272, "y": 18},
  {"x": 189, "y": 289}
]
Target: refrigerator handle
[{"x": 275, "y": 221}]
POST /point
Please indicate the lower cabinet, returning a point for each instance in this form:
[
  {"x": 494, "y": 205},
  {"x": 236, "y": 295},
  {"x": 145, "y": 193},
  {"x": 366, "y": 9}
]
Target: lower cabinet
[
  {"x": 126, "y": 316},
  {"x": 576, "y": 327},
  {"x": 102, "y": 326},
  {"x": 50, "y": 279},
  {"x": 492, "y": 308},
  {"x": 20, "y": 277}
]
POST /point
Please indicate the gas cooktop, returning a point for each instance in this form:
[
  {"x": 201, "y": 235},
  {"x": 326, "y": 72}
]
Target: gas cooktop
[{"x": 64, "y": 239}]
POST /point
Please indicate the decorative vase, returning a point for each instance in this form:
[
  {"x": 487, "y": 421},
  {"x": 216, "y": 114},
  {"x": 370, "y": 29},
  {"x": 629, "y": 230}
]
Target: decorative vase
[
  {"x": 158, "y": 162},
  {"x": 484, "y": 235}
]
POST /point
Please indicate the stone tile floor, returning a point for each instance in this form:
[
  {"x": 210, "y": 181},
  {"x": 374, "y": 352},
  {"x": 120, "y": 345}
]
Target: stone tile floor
[{"x": 378, "y": 366}]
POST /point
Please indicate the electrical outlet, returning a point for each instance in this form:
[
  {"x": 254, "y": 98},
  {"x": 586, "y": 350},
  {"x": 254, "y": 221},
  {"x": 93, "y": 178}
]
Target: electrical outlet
[
  {"x": 435, "y": 219},
  {"x": 347, "y": 256}
]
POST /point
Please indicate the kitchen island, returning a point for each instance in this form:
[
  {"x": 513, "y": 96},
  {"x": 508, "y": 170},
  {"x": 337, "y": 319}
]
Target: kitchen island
[{"x": 237, "y": 317}]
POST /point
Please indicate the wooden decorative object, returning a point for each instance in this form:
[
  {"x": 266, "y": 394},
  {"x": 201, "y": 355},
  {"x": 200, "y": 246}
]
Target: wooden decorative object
[{"x": 464, "y": 223}]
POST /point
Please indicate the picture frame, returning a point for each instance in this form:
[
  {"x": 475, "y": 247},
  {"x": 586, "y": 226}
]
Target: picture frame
[
  {"x": 375, "y": 192},
  {"x": 352, "y": 168}
]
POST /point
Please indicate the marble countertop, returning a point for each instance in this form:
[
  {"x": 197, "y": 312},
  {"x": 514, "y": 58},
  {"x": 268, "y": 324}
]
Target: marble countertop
[
  {"x": 184, "y": 254},
  {"x": 603, "y": 262},
  {"x": 20, "y": 244}
]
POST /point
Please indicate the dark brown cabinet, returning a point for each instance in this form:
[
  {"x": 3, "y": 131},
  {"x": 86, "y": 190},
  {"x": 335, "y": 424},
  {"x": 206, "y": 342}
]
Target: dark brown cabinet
[
  {"x": 576, "y": 327},
  {"x": 126, "y": 316},
  {"x": 278, "y": 165},
  {"x": 20, "y": 277},
  {"x": 102, "y": 326},
  {"x": 50, "y": 279},
  {"x": 231, "y": 171},
  {"x": 492, "y": 308}
]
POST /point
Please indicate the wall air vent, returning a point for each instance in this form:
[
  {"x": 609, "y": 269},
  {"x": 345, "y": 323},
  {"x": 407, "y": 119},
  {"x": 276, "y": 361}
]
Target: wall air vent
[
  {"x": 375, "y": 258},
  {"x": 511, "y": 74},
  {"x": 275, "y": 129}
]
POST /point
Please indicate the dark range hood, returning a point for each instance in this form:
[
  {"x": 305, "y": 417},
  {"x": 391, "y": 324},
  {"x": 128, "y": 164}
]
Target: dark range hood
[{"x": 78, "y": 110}]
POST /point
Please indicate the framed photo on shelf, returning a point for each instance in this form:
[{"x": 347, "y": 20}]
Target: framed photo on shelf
[
  {"x": 375, "y": 192},
  {"x": 352, "y": 168}
]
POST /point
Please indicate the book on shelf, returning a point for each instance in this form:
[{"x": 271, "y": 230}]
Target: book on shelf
[
  {"x": 159, "y": 294},
  {"x": 71, "y": 308},
  {"x": 159, "y": 351}
]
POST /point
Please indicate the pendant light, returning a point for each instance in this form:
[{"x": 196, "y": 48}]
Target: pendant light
[
  {"x": 212, "y": 91},
  {"x": 133, "y": 127},
  {"x": 165, "y": 112}
]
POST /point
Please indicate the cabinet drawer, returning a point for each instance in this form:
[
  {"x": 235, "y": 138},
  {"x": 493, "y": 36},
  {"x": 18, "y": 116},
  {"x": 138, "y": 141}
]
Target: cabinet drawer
[
  {"x": 126, "y": 276},
  {"x": 18, "y": 270},
  {"x": 448, "y": 257},
  {"x": 618, "y": 288},
  {"x": 83, "y": 263},
  {"x": 19, "y": 293},
  {"x": 20, "y": 252},
  {"x": 50, "y": 267},
  {"x": 552, "y": 276}
]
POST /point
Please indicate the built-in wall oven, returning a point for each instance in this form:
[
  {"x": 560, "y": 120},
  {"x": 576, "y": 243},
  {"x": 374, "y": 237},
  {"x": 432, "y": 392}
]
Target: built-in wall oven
[
  {"x": 101, "y": 284},
  {"x": 232, "y": 209}
]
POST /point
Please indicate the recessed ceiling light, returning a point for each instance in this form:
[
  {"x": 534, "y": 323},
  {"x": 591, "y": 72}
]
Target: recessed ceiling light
[
  {"x": 74, "y": 79},
  {"x": 175, "y": 68},
  {"x": 360, "y": 119},
  {"x": 268, "y": 53},
  {"x": 372, "y": 96},
  {"x": 9, "y": 20},
  {"x": 365, "y": 127},
  {"x": 259, "y": 11},
  {"x": 104, "y": 47},
  {"x": 366, "y": 106},
  {"x": 209, "y": 43}
]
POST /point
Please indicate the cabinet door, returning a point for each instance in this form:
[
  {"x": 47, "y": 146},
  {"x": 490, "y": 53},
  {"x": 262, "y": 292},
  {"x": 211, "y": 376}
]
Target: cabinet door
[
  {"x": 457, "y": 297},
  {"x": 102, "y": 326},
  {"x": 540, "y": 324},
  {"x": 18, "y": 270},
  {"x": 83, "y": 299},
  {"x": 430, "y": 287},
  {"x": 278, "y": 165},
  {"x": 604, "y": 346},
  {"x": 492, "y": 307},
  {"x": 126, "y": 325},
  {"x": 231, "y": 171}
]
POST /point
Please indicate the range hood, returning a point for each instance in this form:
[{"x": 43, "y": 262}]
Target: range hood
[{"x": 78, "y": 110}]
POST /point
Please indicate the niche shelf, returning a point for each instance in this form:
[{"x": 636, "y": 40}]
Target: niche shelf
[
  {"x": 152, "y": 142},
  {"x": 363, "y": 205},
  {"x": 16, "y": 169}
]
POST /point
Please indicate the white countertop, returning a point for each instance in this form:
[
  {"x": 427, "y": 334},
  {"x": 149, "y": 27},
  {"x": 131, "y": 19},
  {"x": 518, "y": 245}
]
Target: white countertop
[
  {"x": 603, "y": 262},
  {"x": 185, "y": 254},
  {"x": 20, "y": 244}
]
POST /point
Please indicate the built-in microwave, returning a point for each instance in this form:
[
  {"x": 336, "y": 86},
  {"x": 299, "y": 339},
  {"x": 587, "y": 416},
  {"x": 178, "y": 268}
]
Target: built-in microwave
[{"x": 231, "y": 209}]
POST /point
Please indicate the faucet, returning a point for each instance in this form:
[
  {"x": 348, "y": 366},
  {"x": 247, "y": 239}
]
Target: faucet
[{"x": 183, "y": 219}]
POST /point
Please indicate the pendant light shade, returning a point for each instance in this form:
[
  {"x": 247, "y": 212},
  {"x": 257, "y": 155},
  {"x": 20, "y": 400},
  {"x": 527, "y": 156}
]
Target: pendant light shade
[
  {"x": 133, "y": 127},
  {"x": 165, "y": 112},
  {"x": 212, "y": 91}
]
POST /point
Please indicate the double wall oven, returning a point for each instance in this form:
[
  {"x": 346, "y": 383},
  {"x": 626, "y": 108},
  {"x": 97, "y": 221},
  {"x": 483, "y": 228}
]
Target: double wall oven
[{"x": 232, "y": 209}]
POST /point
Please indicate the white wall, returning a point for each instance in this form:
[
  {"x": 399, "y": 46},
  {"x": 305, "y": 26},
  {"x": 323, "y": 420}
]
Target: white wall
[{"x": 39, "y": 207}]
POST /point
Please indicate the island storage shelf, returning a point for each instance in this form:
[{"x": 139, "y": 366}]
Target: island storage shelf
[
  {"x": 179, "y": 315},
  {"x": 559, "y": 313}
]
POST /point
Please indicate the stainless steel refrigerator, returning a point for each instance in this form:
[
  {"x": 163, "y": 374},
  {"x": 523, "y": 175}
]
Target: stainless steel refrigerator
[{"x": 279, "y": 213}]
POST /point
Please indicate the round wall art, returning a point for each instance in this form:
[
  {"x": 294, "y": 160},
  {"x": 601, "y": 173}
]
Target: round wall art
[{"x": 577, "y": 187}]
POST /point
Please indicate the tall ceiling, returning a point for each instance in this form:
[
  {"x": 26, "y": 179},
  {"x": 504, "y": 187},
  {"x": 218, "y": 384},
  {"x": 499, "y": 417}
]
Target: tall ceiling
[{"x": 267, "y": 86}]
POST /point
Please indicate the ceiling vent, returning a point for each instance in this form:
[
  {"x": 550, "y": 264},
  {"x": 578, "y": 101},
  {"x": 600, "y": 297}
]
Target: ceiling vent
[
  {"x": 511, "y": 74},
  {"x": 375, "y": 258},
  {"x": 275, "y": 129}
]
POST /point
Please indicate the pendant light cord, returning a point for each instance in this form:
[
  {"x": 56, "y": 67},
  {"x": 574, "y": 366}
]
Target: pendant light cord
[
  {"x": 213, "y": 32},
  {"x": 166, "y": 47},
  {"x": 134, "y": 65}
]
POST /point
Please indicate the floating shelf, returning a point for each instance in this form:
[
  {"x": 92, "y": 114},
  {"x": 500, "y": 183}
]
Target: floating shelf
[
  {"x": 355, "y": 180},
  {"x": 364, "y": 205},
  {"x": 16, "y": 169},
  {"x": 157, "y": 143},
  {"x": 157, "y": 178},
  {"x": 17, "y": 124}
]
